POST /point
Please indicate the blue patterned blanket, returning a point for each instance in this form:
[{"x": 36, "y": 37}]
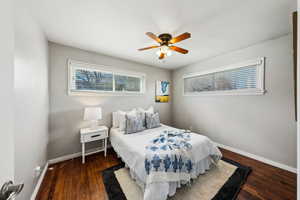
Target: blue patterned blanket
[{"x": 169, "y": 157}]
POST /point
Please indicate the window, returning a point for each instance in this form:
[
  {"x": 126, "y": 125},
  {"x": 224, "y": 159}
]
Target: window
[
  {"x": 246, "y": 78},
  {"x": 88, "y": 78},
  {"x": 92, "y": 80},
  {"x": 127, "y": 83}
]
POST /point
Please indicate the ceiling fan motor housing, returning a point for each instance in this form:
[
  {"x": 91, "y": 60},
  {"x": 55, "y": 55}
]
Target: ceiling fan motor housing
[{"x": 165, "y": 38}]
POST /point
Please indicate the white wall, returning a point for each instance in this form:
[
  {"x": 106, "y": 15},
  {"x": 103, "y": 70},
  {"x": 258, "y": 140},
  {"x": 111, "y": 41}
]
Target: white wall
[
  {"x": 6, "y": 94},
  {"x": 261, "y": 125},
  {"x": 298, "y": 104},
  {"x": 31, "y": 99},
  {"x": 66, "y": 112}
]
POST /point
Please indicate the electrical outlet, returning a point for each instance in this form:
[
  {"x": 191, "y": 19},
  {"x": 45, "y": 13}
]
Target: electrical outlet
[{"x": 37, "y": 171}]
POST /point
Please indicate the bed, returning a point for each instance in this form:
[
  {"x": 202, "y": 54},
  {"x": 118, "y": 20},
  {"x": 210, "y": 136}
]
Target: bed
[{"x": 131, "y": 149}]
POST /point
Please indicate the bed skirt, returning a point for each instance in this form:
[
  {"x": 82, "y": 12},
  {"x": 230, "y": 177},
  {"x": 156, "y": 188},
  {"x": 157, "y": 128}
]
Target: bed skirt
[{"x": 162, "y": 190}]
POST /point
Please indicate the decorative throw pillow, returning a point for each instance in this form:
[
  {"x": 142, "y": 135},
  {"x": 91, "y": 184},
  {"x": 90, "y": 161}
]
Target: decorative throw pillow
[
  {"x": 122, "y": 118},
  {"x": 152, "y": 120},
  {"x": 134, "y": 124},
  {"x": 143, "y": 112},
  {"x": 142, "y": 117}
]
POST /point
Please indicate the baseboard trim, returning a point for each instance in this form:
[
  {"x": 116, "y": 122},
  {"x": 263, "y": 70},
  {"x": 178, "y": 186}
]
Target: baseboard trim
[
  {"x": 259, "y": 158},
  {"x": 57, "y": 160},
  {"x": 39, "y": 183},
  {"x": 65, "y": 157},
  {"x": 75, "y": 155}
]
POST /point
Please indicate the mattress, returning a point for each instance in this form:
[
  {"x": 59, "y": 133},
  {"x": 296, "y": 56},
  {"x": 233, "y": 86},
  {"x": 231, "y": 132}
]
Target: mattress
[{"x": 131, "y": 148}]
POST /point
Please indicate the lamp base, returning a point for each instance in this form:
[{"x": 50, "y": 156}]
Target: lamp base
[{"x": 94, "y": 125}]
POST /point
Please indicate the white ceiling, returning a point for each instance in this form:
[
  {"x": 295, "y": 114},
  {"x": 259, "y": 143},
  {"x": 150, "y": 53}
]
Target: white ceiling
[{"x": 117, "y": 27}]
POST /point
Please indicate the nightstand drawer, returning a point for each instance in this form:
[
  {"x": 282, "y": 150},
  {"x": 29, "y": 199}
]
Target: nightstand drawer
[{"x": 94, "y": 136}]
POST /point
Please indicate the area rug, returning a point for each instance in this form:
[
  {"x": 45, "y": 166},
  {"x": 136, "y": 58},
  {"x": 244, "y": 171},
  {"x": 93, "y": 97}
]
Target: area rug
[{"x": 220, "y": 182}]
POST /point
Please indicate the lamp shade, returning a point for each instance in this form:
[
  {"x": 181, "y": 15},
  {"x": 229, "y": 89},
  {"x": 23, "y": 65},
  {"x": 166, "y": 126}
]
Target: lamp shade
[{"x": 92, "y": 113}]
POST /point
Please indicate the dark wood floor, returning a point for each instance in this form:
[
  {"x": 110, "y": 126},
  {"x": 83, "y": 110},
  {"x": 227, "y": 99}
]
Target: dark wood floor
[{"x": 71, "y": 180}]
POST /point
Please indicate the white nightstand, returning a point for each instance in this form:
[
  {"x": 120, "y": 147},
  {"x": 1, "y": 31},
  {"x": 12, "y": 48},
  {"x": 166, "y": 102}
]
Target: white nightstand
[{"x": 93, "y": 134}]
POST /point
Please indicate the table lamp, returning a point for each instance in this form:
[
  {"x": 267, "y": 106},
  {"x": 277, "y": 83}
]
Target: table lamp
[{"x": 93, "y": 114}]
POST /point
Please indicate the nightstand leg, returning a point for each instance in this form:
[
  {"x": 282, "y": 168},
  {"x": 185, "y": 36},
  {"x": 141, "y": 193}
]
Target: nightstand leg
[
  {"x": 83, "y": 153},
  {"x": 105, "y": 146}
]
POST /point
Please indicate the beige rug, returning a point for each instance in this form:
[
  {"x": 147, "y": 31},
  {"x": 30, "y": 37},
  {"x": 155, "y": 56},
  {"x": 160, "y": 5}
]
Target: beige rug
[{"x": 204, "y": 188}]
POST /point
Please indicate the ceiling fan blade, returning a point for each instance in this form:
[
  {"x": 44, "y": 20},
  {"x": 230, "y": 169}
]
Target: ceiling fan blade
[
  {"x": 179, "y": 38},
  {"x": 162, "y": 56},
  {"x": 154, "y": 37},
  {"x": 178, "y": 49},
  {"x": 146, "y": 48}
]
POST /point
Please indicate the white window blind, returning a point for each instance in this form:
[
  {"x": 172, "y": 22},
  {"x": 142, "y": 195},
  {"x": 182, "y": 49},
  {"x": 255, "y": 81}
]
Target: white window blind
[
  {"x": 127, "y": 83},
  {"x": 245, "y": 78},
  {"x": 89, "y": 78}
]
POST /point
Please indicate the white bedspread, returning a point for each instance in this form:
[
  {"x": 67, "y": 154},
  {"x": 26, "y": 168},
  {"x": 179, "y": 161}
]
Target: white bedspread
[{"x": 131, "y": 148}]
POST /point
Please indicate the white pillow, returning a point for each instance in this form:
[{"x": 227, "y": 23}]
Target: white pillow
[
  {"x": 122, "y": 118},
  {"x": 149, "y": 110},
  {"x": 115, "y": 120}
]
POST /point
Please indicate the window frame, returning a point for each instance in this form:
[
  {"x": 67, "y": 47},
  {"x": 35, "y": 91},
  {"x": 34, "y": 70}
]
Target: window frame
[
  {"x": 74, "y": 64},
  {"x": 260, "y": 82}
]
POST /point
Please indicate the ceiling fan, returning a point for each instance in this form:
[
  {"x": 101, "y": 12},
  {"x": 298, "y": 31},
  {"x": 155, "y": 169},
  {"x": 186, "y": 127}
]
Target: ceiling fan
[{"x": 166, "y": 42}]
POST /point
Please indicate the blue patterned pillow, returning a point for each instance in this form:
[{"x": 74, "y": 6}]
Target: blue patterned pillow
[
  {"x": 152, "y": 120},
  {"x": 134, "y": 124},
  {"x": 142, "y": 116}
]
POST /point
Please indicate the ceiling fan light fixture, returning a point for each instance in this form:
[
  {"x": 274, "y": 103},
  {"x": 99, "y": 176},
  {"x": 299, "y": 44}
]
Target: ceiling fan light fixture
[
  {"x": 169, "y": 53},
  {"x": 158, "y": 52},
  {"x": 164, "y": 49}
]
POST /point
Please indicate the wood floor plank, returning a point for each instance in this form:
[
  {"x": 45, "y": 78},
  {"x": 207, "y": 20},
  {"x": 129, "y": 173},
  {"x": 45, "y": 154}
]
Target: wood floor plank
[{"x": 72, "y": 180}]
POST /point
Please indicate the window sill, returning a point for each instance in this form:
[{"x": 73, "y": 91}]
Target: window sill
[{"x": 82, "y": 93}]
